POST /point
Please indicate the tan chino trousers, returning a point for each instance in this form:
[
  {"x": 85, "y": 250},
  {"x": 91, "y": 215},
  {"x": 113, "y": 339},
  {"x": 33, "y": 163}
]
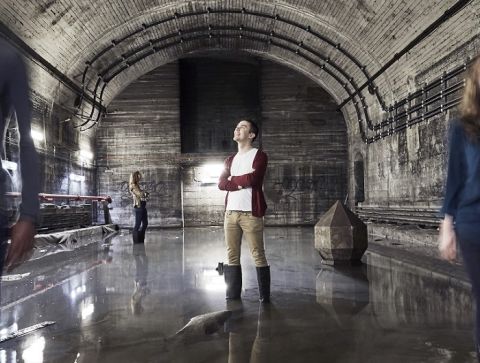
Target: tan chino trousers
[{"x": 237, "y": 224}]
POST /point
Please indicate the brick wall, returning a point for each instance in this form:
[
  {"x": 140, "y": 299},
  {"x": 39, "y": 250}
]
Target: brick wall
[
  {"x": 306, "y": 140},
  {"x": 142, "y": 132},
  {"x": 215, "y": 93},
  {"x": 59, "y": 151},
  {"x": 303, "y": 134},
  {"x": 406, "y": 168}
]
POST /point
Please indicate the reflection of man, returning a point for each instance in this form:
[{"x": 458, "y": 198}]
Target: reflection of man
[
  {"x": 14, "y": 97},
  {"x": 245, "y": 207},
  {"x": 262, "y": 345},
  {"x": 141, "y": 273}
]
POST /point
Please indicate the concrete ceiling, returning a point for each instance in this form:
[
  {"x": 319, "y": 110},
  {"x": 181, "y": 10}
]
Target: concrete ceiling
[{"x": 350, "y": 38}]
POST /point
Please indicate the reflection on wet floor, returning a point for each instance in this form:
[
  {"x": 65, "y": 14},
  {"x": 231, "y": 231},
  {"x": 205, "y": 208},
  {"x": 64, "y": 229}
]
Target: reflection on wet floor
[{"x": 114, "y": 302}]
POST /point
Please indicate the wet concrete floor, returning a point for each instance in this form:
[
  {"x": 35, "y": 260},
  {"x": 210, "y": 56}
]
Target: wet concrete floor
[{"x": 115, "y": 302}]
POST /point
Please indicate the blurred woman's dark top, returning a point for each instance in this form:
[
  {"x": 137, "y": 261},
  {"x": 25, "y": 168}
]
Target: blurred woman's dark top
[{"x": 462, "y": 190}]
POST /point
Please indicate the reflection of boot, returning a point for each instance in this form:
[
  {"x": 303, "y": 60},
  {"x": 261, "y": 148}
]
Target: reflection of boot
[
  {"x": 136, "y": 300},
  {"x": 263, "y": 277},
  {"x": 233, "y": 280},
  {"x": 264, "y": 321},
  {"x": 236, "y": 307},
  {"x": 135, "y": 236},
  {"x": 237, "y": 352},
  {"x": 262, "y": 345},
  {"x": 141, "y": 236}
]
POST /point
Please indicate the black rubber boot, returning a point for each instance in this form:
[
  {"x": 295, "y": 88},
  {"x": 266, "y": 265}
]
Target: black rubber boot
[
  {"x": 141, "y": 236},
  {"x": 233, "y": 279},
  {"x": 263, "y": 278}
]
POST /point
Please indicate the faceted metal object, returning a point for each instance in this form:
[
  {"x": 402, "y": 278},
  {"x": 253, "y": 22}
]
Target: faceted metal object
[{"x": 340, "y": 236}]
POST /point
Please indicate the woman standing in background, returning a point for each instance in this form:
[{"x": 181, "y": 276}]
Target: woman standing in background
[{"x": 139, "y": 206}]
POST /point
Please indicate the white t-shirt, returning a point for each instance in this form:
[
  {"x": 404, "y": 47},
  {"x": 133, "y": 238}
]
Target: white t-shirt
[{"x": 241, "y": 199}]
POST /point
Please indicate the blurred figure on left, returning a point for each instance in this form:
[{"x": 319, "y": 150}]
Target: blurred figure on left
[
  {"x": 140, "y": 198},
  {"x": 14, "y": 98}
]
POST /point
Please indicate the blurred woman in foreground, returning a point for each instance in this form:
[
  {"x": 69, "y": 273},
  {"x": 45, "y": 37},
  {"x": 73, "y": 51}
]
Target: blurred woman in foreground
[{"x": 461, "y": 207}]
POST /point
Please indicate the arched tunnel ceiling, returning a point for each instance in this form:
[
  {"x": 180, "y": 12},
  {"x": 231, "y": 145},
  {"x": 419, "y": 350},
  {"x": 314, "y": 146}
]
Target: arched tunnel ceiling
[{"x": 338, "y": 43}]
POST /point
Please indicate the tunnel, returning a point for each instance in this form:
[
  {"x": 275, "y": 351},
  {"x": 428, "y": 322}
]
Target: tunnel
[{"x": 351, "y": 103}]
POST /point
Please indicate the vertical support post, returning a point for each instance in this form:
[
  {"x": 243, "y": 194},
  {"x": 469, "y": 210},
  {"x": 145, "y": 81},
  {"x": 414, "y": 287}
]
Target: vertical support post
[{"x": 106, "y": 212}]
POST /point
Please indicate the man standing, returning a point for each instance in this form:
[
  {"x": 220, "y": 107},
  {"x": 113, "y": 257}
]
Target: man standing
[
  {"x": 242, "y": 178},
  {"x": 14, "y": 97}
]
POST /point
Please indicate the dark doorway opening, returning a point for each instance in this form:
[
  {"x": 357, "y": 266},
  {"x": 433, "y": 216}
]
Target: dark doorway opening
[
  {"x": 216, "y": 93},
  {"x": 359, "y": 177}
]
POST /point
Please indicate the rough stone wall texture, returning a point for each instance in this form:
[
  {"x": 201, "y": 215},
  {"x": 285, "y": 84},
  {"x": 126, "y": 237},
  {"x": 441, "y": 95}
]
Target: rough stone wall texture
[
  {"x": 142, "y": 132},
  {"x": 59, "y": 150},
  {"x": 203, "y": 204},
  {"x": 216, "y": 93},
  {"x": 66, "y": 35},
  {"x": 408, "y": 167},
  {"x": 306, "y": 140},
  {"x": 303, "y": 134}
]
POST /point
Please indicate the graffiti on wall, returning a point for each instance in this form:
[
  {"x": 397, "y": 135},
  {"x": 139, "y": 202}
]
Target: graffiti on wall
[
  {"x": 154, "y": 188},
  {"x": 290, "y": 189},
  {"x": 301, "y": 193},
  {"x": 287, "y": 193}
]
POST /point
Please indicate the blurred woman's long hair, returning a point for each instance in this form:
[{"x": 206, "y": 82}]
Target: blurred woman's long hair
[
  {"x": 134, "y": 178},
  {"x": 470, "y": 105}
]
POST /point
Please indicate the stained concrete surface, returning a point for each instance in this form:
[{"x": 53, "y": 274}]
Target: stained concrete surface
[{"x": 114, "y": 302}]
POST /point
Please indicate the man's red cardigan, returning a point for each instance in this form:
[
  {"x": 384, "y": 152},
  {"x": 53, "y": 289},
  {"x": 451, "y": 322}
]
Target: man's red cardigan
[{"x": 253, "y": 180}]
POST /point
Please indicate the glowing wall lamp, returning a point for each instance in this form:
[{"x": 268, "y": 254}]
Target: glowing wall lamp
[
  {"x": 208, "y": 173},
  {"x": 86, "y": 154},
  {"x": 76, "y": 177},
  {"x": 9, "y": 165},
  {"x": 37, "y": 135}
]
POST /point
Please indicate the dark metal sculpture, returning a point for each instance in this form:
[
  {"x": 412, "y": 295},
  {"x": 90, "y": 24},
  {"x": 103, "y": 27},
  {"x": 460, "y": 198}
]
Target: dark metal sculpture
[{"x": 340, "y": 236}]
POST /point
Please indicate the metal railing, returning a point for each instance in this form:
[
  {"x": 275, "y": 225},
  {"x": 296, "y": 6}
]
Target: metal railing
[
  {"x": 73, "y": 197},
  {"x": 56, "y": 217},
  {"x": 432, "y": 99},
  {"x": 420, "y": 216}
]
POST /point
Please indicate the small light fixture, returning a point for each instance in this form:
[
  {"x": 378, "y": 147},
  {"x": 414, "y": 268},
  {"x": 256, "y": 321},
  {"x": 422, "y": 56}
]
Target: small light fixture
[
  {"x": 208, "y": 173},
  {"x": 9, "y": 165},
  {"x": 86, "y": 154},
  {"x": 76, "y": 177},
  {"x": 37, "y": 135}
]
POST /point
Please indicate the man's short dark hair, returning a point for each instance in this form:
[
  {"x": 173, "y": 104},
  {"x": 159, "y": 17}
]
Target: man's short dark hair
[{"x": 253, "y": 128}]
